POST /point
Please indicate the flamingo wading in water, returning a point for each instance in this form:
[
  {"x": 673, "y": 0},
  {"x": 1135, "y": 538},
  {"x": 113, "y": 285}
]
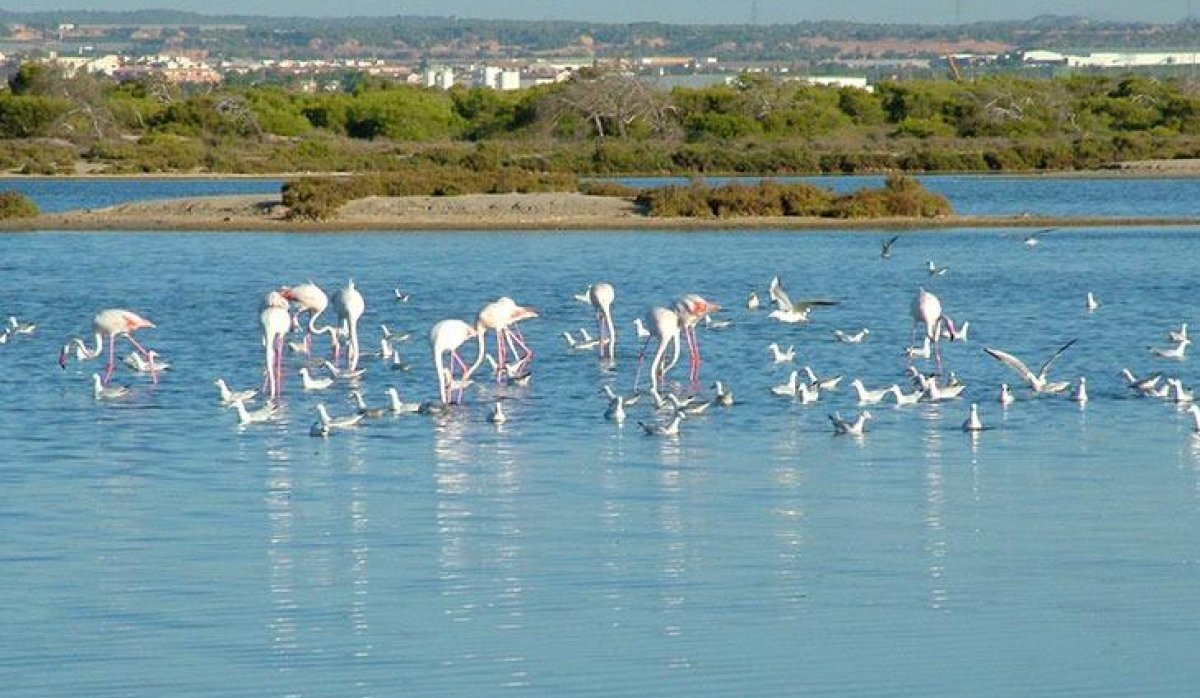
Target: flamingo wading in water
[
  {"x": 111, "y": 323},
  {"x": 501, "y": 316},
  {"x": 309, "y": 298},
  {"x": 601, "y": 296},
  {"x": 349, "y": 305},
  {"x": 445, "y": 338},
  {"x": 664, "y": 326},
  {"x": 691, "y": 309},
  {"x": 276, "y": 321},
  {"x": 927, "y": 312}
]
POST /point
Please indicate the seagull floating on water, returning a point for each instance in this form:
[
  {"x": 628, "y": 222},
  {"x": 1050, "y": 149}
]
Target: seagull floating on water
[
  {"x": 903, "y": 398},
  {"x": 146, "y": 364},
  {"x": 309, "y": 382},
  {"x": 752, "y": 301},
  {"x": 1145, "y": 385},
  {"x": 111, "y": 392},
  {"x": 935, "y": 270},
  {"x": 807, "y": 393},
  {"x": 724, "y": 396},
  {"x": 615, "y": 412},
  {"x": 1178, "y": 335},
  {"x": 343, "y": 373},
  {"x": 973, "y": 423},
  {"x": 924, "y": 352},
  {"x": 1091, "y": 303},
  {"x": 347, "y": 422},
  {"x": 1006, "y": 396},
  {"x": 265, "y": 413},
  {"x": 399, "y": 407},
  {"x": 1080, "y": 395},
  {"x": 850, "y": 428},
  {"x": 1039, "y": 382},
  {"x": 847, "y": 338},
  {"x": 869, "y": 397},
  {"x": 787, "y": 389},
  {"x": 671, "y": 428},
  {"x": 497, "y": 415},
  {"x": 228, "y": 397},
  {"x": 780, "y": 356},
  {"x": 823, "y": 383},
  {"x": 367, "y": 412},
  {"x": 1177, "y": 352},
  {"x": 1181, "y": 396}
]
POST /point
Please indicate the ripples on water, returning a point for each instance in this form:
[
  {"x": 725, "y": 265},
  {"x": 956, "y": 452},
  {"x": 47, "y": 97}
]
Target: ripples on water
[{"x": 153, "y": 548}]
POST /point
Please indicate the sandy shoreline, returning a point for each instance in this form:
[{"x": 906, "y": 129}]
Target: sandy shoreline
[{"x": 549, "y": 212}]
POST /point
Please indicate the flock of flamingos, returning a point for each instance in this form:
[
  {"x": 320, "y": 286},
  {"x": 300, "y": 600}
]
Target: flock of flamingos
[{"x": 299, "y": 308}]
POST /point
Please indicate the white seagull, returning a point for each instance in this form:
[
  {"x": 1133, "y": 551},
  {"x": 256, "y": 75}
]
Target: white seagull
[
  {"x": 228, "y": 397},
  {"x": 669, "y": 429},
  {"x": 823, "y": 383},
  {"x": 789, "y": 311},
  {"x": 399, "y": 407},
  {"x": 850, "y": 428},
  {"x": 1038, "y": 381},
  {"x": 102, "y": 392},
  {"x": 330, "y": 423},
  {"x": 497, "y": 415},
  {"x": 1177, "y": 352},
  {"x": 263, "y": 414},
  {"x": 1080, "y": 395},
  {"x": 780, "y": 356},
  {"x": 309, "y": 382},
  {"x": 935, "y": 270},
  {"x": 869, "y": 397},
  {"x": 973, "y": 423},
  {"x": 1091, "y": 303},
  {"x": 787, "y": 389},
  {"x": 903, "y": 398},
  {"x": 855, "y": 338},
  {"x": 615, "y": 412},
  {"x": 1006, "y": 396}
]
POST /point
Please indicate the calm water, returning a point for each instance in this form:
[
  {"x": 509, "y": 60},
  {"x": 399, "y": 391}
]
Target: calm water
[{"x": 151, "y": 547}]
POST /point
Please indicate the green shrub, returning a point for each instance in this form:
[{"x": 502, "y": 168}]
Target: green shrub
[{"x": 14, "y": 204}]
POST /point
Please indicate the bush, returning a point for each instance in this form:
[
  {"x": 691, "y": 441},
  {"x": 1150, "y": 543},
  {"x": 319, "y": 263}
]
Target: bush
[{"x": 14, "y": 204}]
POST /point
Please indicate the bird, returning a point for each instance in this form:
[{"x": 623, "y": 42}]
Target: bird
[
  {"x": 935, "y": 270},
  {"x": 391, "y": 336},
  {"x": 752, "y": 301},
  {"x": 642, "y": 332},
  {"x": 276, "y": 321},
  {"x": 1091, "y": 303},
  {"x": 399, "y": 407},
  {"x": 1032, "y": 239},
  {"x": 1177, "y": 352},
  {"x": 311, "y": 383},
  {"x": 690, "y": 407},
  {"x": 927, "y": 312},
  {"x": 1178, "y": 335},
  {"x": 842, "y": 427},
  {"x": 309, "y": 298},
  {"x": 868, "y": 397},
  {"x": 664, "y": 324},
  {"x": 111, "y": 323},
  {"x": 973, "y": 423},
  {"x": 584, "y": 296},
  {"x": 780, "y": 356},
  {"x": 724, "y": 396},
  {"x": 149, "y": 364},
  {"x": 263, "y": 414},
  {"x": 823, "y": 383},
  {"x": 712, "y": 324},
  {"x": 228, "y": 397},
  {"x": 601, "y": 296},
  {"x": 1181, "y": 396},
  {"x": 399, "y": 364},
  {"x": 348, "y": 305},
  {"x": 956, "y": 332},
  {"x": 788, "y": 311},
  {"x": 807, "y": 393},
  {"x": 401, "y": 296},
  {"x": 691, "y": 309},
  {"x": 497, "y": 415},
  {"x": 610, "y": 395},
  {"x": 1038, "y": 381},
  {"x": 1080, "y": 395},
  {"x": 671, "y": 428},
  {"x": 885, "y": 251},
  {"x": 1143, "y": 385},
  {"x": 1194, "y": 410},
  {"x": 445, "y": 338},
  {"x": 787, "y": 389},
  {"x": 935, "y": 392},
  {"x": 17, "y": 327},
  {"x": 500, "y": 316},
  {"x": 330, "y": 423},
  {"x": 102, "y": 392},
  {"x": 903, "y": 398},
  {"x": 349, "y": 374},
  {"x": 364, "y": 410},
  {"x": 615, "y": 412},
  {"x": 1006, "y": 395},
  {"x": 851, "y": 338},
  {"x": 924, "y": 352},
  {"x": 386, "y": 350}
]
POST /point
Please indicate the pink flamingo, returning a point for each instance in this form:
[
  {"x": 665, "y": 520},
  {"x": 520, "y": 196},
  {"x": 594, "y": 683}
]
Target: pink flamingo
[
  {"x": 664, "y": 326},
  {"x": 111, "y": 323},
  {"x": 309, "y": 298},
  {"x": 601, "y": 297},
  {"x": 691, "y": 309},
  {"x": 501, "y": 316},
  {"x": 445, "y": 338},
  {"x": 927, "y": 312},
  {"x": 349, "y": 305},
  {"x": 276, "y": 321}
]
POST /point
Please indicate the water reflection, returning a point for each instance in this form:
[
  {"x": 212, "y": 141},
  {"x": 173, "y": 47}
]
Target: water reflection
[
  {"x": 282, "y": 622},
  {"x": 935, "y": 498},
  {"x": 360, "y": 555},
  {"x": 674, "y": 566}
]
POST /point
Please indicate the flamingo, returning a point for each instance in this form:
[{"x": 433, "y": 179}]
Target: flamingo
[
  {"x": 973, "y": 422},
  {"x": 111, "y": 323},
  {"x": 309, "y": 298},
  {"x": 927, "y": 311},
  {"x": 664, "y": 326},
  {"x": 691, "y": 309},
  {"x": 601, "y": 297},
  {"x": 500, "y": 316},
  {"x": 349, "y": 305},
  {"x": 276, "y": 321},
  {"x": 445, "y": 338}
]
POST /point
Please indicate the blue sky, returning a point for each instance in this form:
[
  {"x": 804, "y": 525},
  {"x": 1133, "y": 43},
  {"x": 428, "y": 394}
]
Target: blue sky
[{"x": 679, "y": 11}]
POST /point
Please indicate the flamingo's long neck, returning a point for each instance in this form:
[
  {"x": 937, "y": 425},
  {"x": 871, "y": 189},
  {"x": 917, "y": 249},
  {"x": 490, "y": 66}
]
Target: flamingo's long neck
[{"x": 480, "y": 343}]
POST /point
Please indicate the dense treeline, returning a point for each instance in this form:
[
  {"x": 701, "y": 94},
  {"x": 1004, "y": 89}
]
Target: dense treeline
[{"x": 599, "y": 123}]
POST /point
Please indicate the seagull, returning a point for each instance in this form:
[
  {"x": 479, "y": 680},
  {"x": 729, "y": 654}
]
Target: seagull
[
  {"x": 1038, "y": 381},
  {"x": 399, "y": 407},
  {"x": 935, "y": 270},
  {"x": 869, "y": 397},
  {"x": 368, "y": 412},
  {"x": 401, "y": 297},
  {"x": 263, "y": 414},
  {"x": 973, "y": 423},
  {"x": 924, "y": 352},
  {"x": 724, "y": 397},
  {"x": 669, "y": 429},
  {"x": 642, "y": 332},
  {"x": 789, "y": 311},
  {"x": 937, "y": 393},
  {"x": 228, "y": 397},
  {"x": 822, "y": 383},
  {"x": 497, "y": 415},
  {"x": 630, "y": 400},
  {"x": 386, "y": 351},
  {"x": 752, "y": 302},
  {"x": 786, "y": 389},
  {"x": 146, "y": 365},
  {"x": 956, "y": 333},
  {"x": 389, "y": 335},
  {"x": 585, "y": 343},
  {"x": 903, "y": 398},
  {"x": 1144, "y": 385},
  {"x": 856, "y": 338},
  {"x": 1006, "y": 396},
  {"x": 616, "y": 410},
  {"x": 1178, "y": 335},
  {"x": 1080, "y": 395},
  {"x": 1181, "y": 396},
  {"x": 310, "y": 383},
  {"x": 584, "y": 296},
  {"x": 712, "y": 324},
  {"x": 5, "y": 335},
  {"x": 690, "y": 406},
  {"x": 1091, "y": 303},
  {"x": 1194, "y": 410},
  {"x": 1032, "y": 239},
  {"x": 102, "y": 392},
  {"x": 885, "y": 251},
  {"x": 331, "y": 423},
  {"x": 807, "y": 393},
  {"x": 844, "y": 427},
  {"x": 399, "y": 364},
  {"x": 17, "y": 327},
  {"x": 343, "y": 373},
  {"x": 1177, "y": 352},
  {"x": 779, "y": 356}
]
